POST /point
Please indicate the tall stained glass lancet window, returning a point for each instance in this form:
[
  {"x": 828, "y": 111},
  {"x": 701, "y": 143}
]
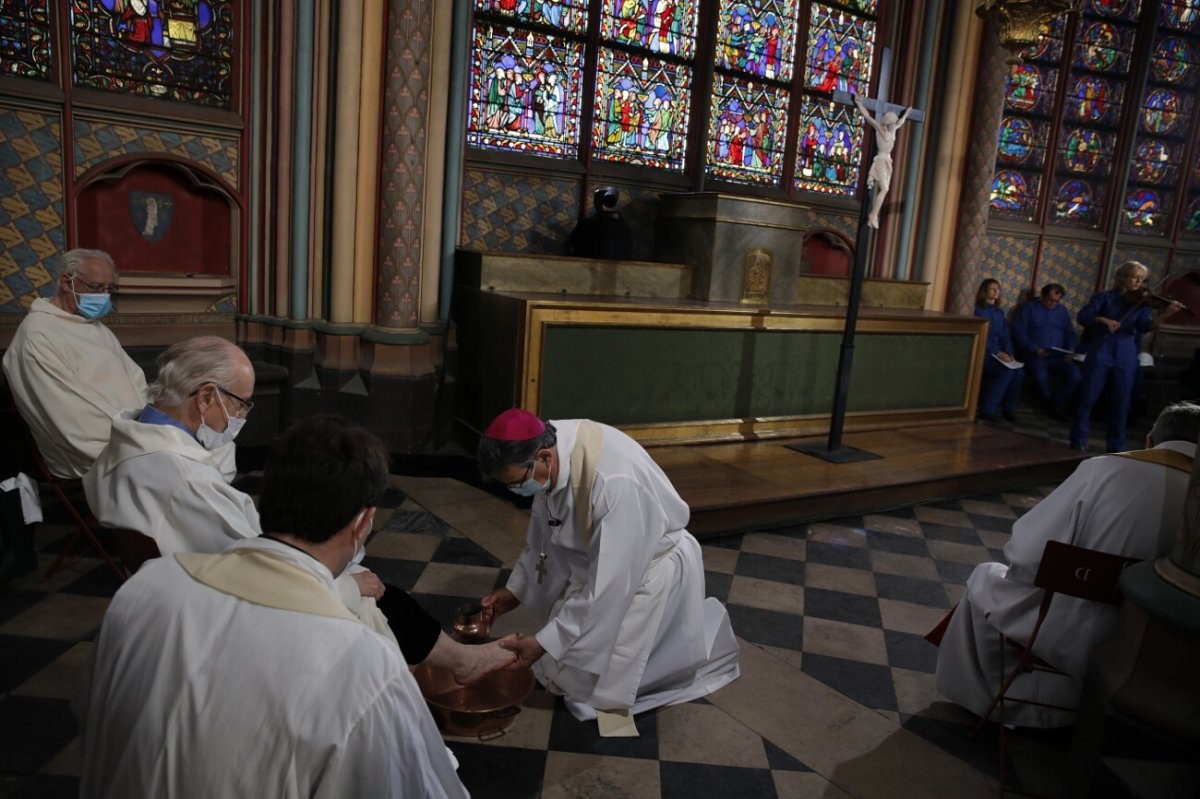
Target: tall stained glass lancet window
[
  {"x": 25, "y": 38},
  {"x": 171, "y": 49},
  {"x": 1165, "y": 122},
  {"x": 839, "y": 56},
  {"x": 1096, "y": 82},
  {"x": 748, "y": 115},
  {"x": 644, "y": 82},
  {"x": 1025, "y": 128}
]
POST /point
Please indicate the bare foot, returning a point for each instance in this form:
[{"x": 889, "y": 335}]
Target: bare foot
[{"x": 474, "y": 662}]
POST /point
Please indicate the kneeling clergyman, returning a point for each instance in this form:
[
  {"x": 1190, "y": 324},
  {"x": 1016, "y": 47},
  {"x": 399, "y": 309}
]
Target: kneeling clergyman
[{"x": 611, "y": 568}]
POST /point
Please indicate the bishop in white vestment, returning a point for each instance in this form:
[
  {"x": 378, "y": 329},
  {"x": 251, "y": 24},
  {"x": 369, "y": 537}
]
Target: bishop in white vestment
[
  {"x": 611, "y": 567},
  {"x": 1129, "y": 504}
]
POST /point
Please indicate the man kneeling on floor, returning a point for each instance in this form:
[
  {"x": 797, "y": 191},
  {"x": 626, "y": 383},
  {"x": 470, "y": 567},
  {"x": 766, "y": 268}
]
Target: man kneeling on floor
[
  {"x": 243, "y": 673},
  {"x": 1128, "y": 504}
]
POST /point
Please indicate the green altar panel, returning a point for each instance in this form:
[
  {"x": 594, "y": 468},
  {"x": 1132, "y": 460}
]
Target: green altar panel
[{"x": 643, "y": 375}]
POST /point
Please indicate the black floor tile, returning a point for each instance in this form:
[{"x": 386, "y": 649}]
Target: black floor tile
[
  {"x": 444, "y": 608},
  {"x": 14, "y": 601},
  {"x": 992, "y": 524},
  {"x": 780, "y": 760},
  {"x": 767, "y": 626},
  {"x": 956, "y": 535},
  {"x": 501, "y": 772},
  {"x": 25, "y": 657},
  {"x": 899, "y": 544},
  {"x": 912, "y": 589},
  {"x": 32, "y": 731},
  {"x": 395, "y": 572},
  {"x": 956, "y": 573},
  {"x": 692, "y": 780},
  {"x": 766, "y": 567},
  {"x": 725, "y": 542},
  {"x": 835, "y": 555},
  {"x": 100, "y": 581},
  {"x": 839, "y": 606},
  {"x": 415, "y": 521},
  {"x": 865, "y": 683},
  {"x": 392, "y": 498},
  {"x": 464, "y": 552},
  {"x": 908, "y": 651},
  {"x": 716, "y": 584},
  {"x": 569, "y": 734}
]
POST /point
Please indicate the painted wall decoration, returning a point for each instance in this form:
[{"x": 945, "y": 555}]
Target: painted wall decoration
[
  {"x": 25, "y": 39},
  {"x": 660, "y": 26},
  {"x": 511, "y": 212},
  {"x": 32, "y": 226},
  {"x": 641, "y": 113},
  {"x": 525, "y": 92},
  {"x": 170, "y": 49},
  {"x": 1075, "y": 265},
  {"x": 98, "y": 141}
]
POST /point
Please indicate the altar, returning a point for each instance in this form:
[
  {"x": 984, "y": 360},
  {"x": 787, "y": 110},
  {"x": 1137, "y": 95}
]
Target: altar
[{"x": 629, "y": 344}]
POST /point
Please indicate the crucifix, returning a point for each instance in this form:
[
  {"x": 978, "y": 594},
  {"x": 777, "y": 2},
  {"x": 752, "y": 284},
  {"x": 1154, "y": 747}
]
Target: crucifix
[{"x": 888, "y": 118}]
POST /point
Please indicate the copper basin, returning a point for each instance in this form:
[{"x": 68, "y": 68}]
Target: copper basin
[{"x": 483, "y": 709}]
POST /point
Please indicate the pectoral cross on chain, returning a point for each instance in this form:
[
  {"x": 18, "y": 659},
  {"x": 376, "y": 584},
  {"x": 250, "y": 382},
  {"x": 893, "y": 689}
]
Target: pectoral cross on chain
[{"x": 541, "y": 567}]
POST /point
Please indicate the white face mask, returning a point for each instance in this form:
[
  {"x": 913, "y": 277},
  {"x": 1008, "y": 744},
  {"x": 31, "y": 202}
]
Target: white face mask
[
  {"x": 360, "y": 550},
  {"x": 211, "y": 439}
]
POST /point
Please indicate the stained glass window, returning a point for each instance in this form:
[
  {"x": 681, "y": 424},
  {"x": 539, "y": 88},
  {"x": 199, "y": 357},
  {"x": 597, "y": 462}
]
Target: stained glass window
[
  {"x": 831, "y": 139},
  {"x": 1174, "y": 61},
  {"x": 641, "y": 115},
  {"x": 1084, "y": 151},
  {"x": 1078, "y": 202},
  {"x": 569, "y": 15},
  {"x": 660, "y": 26},
  {"x": 1014, "y": 193},
  {"x": 1117, "y": 9},
  {"x": 758, "y": 38},
  {"x": 840, "y": 51},
  {"x": 1181, "y": 15},
  {"x": 171, "y": 49},
  {"x": 525, "y": 92},
  {"x": 746, "y": 132},
  {"x": 25, "y": 39}
]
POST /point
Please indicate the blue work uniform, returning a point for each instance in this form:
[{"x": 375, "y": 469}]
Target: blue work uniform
[
  {"x": 1001, "y": 386},
  {"x": 1036, "y": 327},
  {"x": 1112, "y": 359}
]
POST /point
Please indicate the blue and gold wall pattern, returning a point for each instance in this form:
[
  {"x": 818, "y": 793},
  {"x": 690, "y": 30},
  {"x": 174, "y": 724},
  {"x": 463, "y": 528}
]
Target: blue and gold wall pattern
[
  {"x": 1075, "y": 265},
  {"x": 32, "y": 228},
  {"x": 97, "y": 141},
  {"x": 506, "y": 212}
]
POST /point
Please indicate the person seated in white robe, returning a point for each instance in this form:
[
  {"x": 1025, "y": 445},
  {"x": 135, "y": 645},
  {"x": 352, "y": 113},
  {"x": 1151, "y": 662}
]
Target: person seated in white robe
[
  {"x": 242, "y": 673},
  {"x": 1128, "y": 504},
  {"x": 611, "y": 568},
  {"x": 68, "y": 373},
  {"x": 160, "y": 476}
]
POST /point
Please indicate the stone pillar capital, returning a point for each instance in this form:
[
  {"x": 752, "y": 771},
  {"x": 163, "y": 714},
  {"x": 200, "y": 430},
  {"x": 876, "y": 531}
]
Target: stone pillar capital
[{"x": 1020, "y": 22}]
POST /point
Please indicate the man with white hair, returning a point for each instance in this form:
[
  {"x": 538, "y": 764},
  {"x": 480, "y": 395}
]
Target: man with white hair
[
  {"x": 161, "y": 476},
  {"x": 67, "y": 371},
  {"x": 1129, "y": 504}
]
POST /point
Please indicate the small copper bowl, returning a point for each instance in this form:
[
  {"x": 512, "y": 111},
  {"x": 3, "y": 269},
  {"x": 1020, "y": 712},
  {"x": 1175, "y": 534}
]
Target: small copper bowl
[
  {"x": 473, "y": 624},
  {"x": 483, "y": 709}
]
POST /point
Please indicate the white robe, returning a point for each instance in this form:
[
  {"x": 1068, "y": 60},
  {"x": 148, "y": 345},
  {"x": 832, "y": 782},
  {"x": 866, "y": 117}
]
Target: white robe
[
  {"x": 628, "y": 627},
  {"x": 196, "y": 692},
  {"x": 158, "y": 480},
  {"x": 69, "y": 377},
  {"x": 1112, "y": 504}
]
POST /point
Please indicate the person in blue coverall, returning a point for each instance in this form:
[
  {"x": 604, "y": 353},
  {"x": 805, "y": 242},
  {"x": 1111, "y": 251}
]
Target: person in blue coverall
[
  {"x": 1039, "y": 325},
  {"x": 1113, "y": 323},
  {"x": 1001, "y": 385}
]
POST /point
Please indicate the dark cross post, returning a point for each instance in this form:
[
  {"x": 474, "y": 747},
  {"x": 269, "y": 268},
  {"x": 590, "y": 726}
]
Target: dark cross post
[{"x": 834, "y": 451}]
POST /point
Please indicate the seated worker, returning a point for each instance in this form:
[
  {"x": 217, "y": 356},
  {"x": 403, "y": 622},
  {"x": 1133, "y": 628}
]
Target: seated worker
[
  {"x": 158, "y": 476},
  {"x": 243, "y": 674},
  {"x": 1038, "y": 326},
  {"x": 1001, "y": 385},
  {"x": 1129, "y": 504},
  {"x": 610, "y": 566},
  {"x": 67, "y": 371}
]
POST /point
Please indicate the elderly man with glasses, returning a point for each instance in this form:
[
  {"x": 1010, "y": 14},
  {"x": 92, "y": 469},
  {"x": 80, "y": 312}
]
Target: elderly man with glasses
[{"x": 67, "y": 371}]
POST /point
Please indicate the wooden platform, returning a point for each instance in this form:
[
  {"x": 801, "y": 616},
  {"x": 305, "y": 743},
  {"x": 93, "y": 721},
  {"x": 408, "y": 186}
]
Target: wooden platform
[{"x": 760, "y": 485}]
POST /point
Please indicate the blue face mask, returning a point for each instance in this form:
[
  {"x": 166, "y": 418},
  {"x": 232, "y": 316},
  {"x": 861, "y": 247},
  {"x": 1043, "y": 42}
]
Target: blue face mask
[
  {"x": 531, "y": 487},
  {"x": 93, "y": 306}
]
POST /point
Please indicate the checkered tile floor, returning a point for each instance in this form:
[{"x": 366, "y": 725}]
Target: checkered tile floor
[{"x": 845, "y": 602}]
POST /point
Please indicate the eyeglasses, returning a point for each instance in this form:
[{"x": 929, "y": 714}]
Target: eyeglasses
[
  {"x": 95, "y": 288},
  {"x": 524, "y": 477},
  {"x": 247, "y": 405}
]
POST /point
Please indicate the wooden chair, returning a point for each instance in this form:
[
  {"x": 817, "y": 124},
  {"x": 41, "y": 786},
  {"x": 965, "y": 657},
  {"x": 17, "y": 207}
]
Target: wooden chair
[
  {"x": 1064, "y": 569},
  {"x": 64, "y": 489}
]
